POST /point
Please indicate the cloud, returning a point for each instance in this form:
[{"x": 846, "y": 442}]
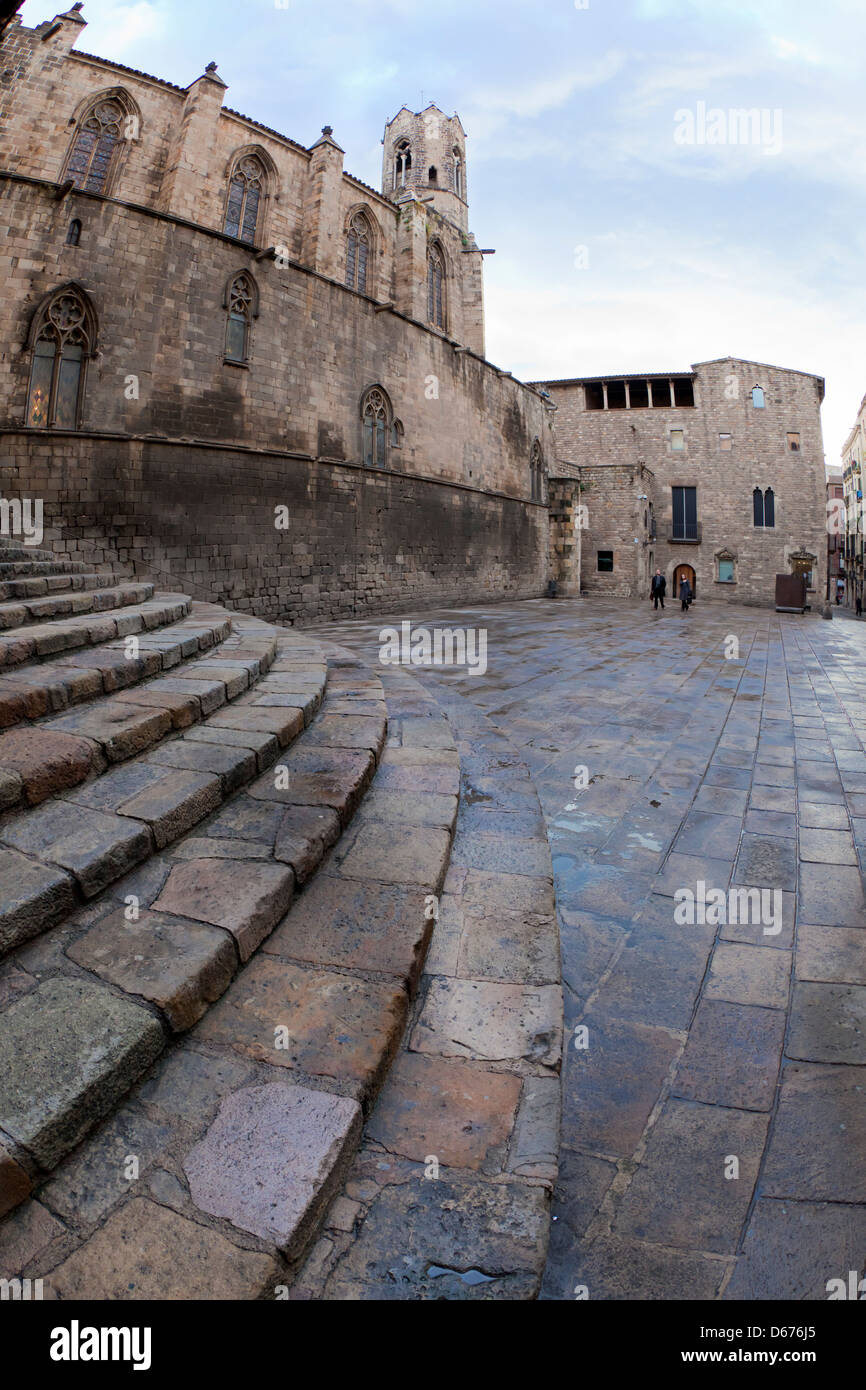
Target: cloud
[
  {"x": 628, "y": 313},
  {"x": 116, "y": 30},
  {"x": 506, "y": 105}
]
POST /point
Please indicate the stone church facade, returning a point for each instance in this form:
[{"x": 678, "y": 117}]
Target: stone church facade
[{"x": 227, "y": 363}]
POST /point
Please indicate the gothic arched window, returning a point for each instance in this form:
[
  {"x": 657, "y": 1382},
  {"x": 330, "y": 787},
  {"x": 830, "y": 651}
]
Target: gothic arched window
[
  {"x": 73, "y": 234},
  {"x": 536, "y": 470},
  {"x": 376, "y": 417},
  {"x": 764, "y": 507},
  {"x": 97, "y": 143},
  {"x": 246, "y": 194},
  {"x": 757, "y": 507},
  {"x": 402, "y": 163},
  {"x": 436, "y": 285},
  {"x": 242, "y": 308},
  {"x": 358, "y": 242},
  {"x": 62, "y": 338}
]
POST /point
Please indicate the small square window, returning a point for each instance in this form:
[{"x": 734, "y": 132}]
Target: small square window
[
  {"x": 726, "y": 571},
  {"x": 794, "y": 443},
  {"x": 726, "y": 442},
  {"x": 605, "y": 561},
  {"x": 678, "y": 440}
]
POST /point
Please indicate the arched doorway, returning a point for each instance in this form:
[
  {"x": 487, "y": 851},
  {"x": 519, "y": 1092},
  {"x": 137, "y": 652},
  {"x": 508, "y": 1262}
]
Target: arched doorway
[{"x": 684, "y": 572}]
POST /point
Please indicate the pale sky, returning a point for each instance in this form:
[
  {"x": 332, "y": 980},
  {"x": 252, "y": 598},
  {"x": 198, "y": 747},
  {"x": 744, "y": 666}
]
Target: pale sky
[{"x": 691, "y": 251}]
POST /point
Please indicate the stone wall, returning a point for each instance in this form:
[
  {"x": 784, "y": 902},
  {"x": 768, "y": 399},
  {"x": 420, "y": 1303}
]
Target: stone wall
[
  {"x": 182, "y": 480},
  {"x": 565, "y": 535},
  {"x": 202, "y": 520},
  {"x": 617, "y": 522},
  {"x": 158, "y": 288}
]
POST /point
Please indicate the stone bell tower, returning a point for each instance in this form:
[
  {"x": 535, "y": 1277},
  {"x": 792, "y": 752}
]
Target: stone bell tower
[{"x": 424, "y": 153}]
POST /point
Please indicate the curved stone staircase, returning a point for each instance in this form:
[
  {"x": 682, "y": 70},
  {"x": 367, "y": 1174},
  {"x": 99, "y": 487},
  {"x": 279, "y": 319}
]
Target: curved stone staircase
[{"x": 206, "y": 955}]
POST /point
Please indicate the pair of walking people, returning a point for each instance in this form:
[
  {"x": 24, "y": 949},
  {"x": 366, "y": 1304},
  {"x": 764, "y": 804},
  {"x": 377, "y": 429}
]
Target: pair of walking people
[{"x": 658, "y": 589}]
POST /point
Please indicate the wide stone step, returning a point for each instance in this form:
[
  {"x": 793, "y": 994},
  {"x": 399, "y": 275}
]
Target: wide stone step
[
  {"x": 246, "y": 1126},
  {"x": 98, "y": 830},
  {"x": 53, "y": 584},
  {"x": 28, "y": 566},
  {"x": 52, "y": 638},
  {"x": 20, "y": 612},
  {"x": 11, "y": 551},
  {"x": 30, "y": 692}
]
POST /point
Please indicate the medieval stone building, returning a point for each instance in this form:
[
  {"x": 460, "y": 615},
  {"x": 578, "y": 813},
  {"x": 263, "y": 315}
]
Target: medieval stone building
[
  {"x": 228, "y": 364},
  {"x": 715, "y": 475}
]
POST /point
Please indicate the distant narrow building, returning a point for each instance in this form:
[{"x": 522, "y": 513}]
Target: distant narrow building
[{"x": 852, "y": 538}]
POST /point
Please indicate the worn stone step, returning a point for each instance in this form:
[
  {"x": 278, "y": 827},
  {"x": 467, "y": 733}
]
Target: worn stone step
[
  {"x": 65, "y": 750},
  {"x": 11, "y": 551},
  {"x": 15, "y": 569},
  {"x": 52, "y": 638},
  {"x": 96, "y": 830},
  {"x": 256, "y": 1130},
  {"x": 21, "y": 612},
  {"x": 53, "y": 584},
  {"x": 33, "y": 691}
]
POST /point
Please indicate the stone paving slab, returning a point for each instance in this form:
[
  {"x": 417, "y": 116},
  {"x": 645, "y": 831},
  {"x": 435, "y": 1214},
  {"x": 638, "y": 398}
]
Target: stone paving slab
[
  {"x": 44, "y": 762},
  {"x": 337, "y": 1025},
  {"x": 26, "y": 1234},
  {"x": 234, "y": 766},
  {"x": 272, "y": 1159},
  {"x": 145, "y": 1251},
  {"x": 179, "y": 966},
  {"x": 792, "y": 1250},
  {"x": 245, "y": 898},
  {"x": 451, "y": 1239},
  {"x": 356, "y": 925},
  {"x": 95, "y": 846},
  {"x": 828, "y": 1023},
  {"x": 68, "y": 1050},
  {"x": 628, "y": 1271},
  {"x": 330, "y": 777},
  {"x": 680, "y": 1197},
  {"x": 616, "y": 1082},
  {"x": 34, "y": 896},
  {"x": 488, "y": 1020},
  {"x": 454, "y": 1109}
]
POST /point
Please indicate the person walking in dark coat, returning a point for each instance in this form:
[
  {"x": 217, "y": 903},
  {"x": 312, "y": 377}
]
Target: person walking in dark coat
[
  {"x": 685, "y": 593},
  {"x": 657, "y": 589}
]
